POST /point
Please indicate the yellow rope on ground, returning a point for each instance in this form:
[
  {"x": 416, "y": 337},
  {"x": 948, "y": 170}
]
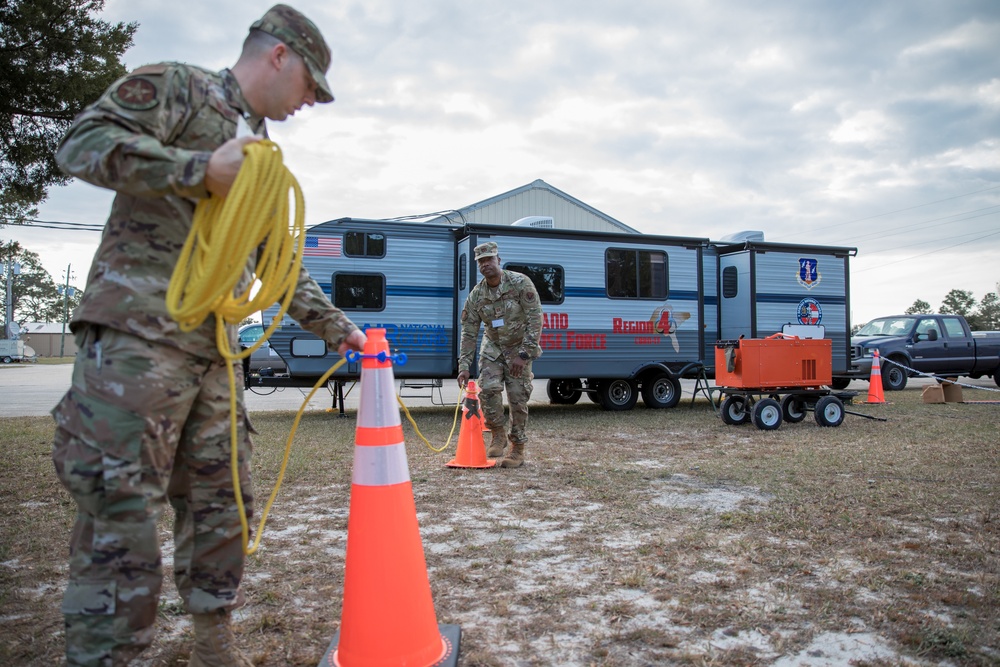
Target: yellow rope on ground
[
  {"x": 252, "y": 219},
  {"x": 427, "y": 442}
]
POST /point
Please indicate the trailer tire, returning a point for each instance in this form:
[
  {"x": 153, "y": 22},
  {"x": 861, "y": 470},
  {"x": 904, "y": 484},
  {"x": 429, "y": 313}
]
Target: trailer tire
[
  {"x": 661, "y": 391},
  {"x": 893, "y": 375},
  {"x": 564, "y": 392},
  {"x": 734, "y": 411},
  {"x": 793, "y": 409},
  {"x": 595, "y": 395},
  {"x": 618, "y": 395},
  {"x": 839, "y": 384},
  {"x": 766, "y": 414},
  {"x": 996, "y": 377},
  {"x": 829, "y": 411},
  {"x": 7, "y": 360}
]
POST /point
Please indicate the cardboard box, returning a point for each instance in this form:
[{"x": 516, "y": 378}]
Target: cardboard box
[
  {"x": 933, "y": 393},
  {"x": 952, "y": 393}
]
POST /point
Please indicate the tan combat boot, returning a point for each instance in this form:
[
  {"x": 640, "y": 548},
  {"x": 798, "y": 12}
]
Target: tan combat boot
[
  {"x": 214, "y": 643},
  {"x": 516, "y": 457},
  {"x": 498, "y": 444}
]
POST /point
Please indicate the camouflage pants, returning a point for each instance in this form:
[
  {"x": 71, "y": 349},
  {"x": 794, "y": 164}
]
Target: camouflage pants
[
  {"x": 494, "y": 377},
  {"x": 142, "y": 424}
]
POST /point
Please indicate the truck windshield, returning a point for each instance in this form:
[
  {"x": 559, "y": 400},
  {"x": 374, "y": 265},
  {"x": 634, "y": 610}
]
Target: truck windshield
[{"x": 887, "y": 326}]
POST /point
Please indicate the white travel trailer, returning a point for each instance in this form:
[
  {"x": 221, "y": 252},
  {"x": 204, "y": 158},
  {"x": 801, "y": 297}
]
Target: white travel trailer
[{"x": 625, "y": 315}]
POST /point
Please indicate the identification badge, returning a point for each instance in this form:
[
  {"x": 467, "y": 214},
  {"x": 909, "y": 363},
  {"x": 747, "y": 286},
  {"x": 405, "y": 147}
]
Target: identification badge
[{"x": 497, "y": 323}]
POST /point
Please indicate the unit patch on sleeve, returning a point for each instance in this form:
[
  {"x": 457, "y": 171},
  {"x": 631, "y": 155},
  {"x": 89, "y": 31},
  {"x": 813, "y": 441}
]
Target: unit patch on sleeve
[{"x": 136, "y": 94}]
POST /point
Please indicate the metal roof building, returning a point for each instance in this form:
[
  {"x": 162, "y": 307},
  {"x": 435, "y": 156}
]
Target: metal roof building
[{"x": 535, "y": 200}]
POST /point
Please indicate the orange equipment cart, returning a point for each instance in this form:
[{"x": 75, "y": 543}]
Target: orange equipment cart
[{"x": 747, "y": 369}]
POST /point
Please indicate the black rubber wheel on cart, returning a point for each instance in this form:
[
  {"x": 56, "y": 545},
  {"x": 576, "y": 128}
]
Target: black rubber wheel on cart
[
  {"x": 766, "y": 414},
  {"x": 829, "y": 411},
  {"x": 793, "y": 409},
  {"x": 734, "y": 411}
]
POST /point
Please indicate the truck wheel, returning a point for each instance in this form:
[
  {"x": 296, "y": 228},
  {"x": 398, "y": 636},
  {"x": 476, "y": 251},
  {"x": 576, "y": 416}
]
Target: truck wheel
[
  {"x": 893, "y": 376},
  {"x": 7, "y": 360},
  {"x": 661, "y": 391},
  {"x": 829, "y": 411},
  {"x": 618, "y": 395},
  {"x": 563, "y": 392},
  {"x": 766, "y": 414},
  {"x": 839, "y": 384},
  {"x": 793, "y": 409},
  {"x": 734, "y": 411}
]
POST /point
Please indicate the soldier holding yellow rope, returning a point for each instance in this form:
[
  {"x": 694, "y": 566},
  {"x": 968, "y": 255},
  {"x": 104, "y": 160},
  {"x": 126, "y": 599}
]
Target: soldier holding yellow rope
[{"x": 147, "y": 417}]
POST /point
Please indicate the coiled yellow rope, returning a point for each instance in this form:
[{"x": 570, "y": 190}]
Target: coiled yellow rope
[{"x": 253, "y": 219}]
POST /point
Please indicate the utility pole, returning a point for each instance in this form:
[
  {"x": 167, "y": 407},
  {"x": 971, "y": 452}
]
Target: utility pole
[
  {"x": 12, "y": 269},
  {"x": 67, "y": 293}
]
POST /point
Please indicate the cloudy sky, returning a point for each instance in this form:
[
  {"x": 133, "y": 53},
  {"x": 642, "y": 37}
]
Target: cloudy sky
[{"x": 871, "y": 124}]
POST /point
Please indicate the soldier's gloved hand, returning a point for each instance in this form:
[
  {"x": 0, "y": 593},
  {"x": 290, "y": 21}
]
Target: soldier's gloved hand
[
  {"x": 355, "y": 341},
  {"x": 463, "y": 378}
]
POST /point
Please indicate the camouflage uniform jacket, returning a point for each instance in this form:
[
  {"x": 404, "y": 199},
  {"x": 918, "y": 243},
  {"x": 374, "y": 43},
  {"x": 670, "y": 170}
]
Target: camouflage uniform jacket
[
  {"x": 149, "y": 138},
  {"x": 512, "y": 315}
]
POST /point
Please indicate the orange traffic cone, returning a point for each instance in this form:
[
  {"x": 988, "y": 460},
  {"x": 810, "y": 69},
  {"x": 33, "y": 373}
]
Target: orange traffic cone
[
  {"x": 875, "y": 392},
  {"x": 387, "y": 616},
  {"x": 471, "y": 450}
]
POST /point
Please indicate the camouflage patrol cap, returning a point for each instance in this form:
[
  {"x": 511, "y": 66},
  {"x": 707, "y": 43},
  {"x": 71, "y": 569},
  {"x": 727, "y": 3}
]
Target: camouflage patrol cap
[
  {"x": 488, "y": 249},
  {"x": 302, "y": 36}
]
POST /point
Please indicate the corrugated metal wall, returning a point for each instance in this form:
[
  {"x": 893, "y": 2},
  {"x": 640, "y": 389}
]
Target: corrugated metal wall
[{"x": 566, "y": 214}]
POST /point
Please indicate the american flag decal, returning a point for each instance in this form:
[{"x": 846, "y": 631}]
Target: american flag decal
[{"x": 322, "y": 246}]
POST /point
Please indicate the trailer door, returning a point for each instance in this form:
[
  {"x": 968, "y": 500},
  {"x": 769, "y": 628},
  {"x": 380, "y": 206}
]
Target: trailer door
[{"x": 735, "y": 296}]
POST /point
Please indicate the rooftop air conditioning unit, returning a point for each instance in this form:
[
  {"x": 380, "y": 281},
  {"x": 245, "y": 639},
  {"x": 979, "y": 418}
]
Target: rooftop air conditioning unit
[
  {"x": 538, "y": 221},
  {"x": 745, "y": 235}
]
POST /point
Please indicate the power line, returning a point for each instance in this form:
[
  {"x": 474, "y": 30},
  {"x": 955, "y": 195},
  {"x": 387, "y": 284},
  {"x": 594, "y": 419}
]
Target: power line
[
  {"x": 881, "y": 266},
  {"x": 53, "y": 224},
  {"x": 910, "y": 208}
]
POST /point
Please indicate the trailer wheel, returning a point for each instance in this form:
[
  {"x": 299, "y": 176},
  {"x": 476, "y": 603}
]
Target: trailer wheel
[
  {"x": 564, "y": 392},
  {"x": 734, "y": 411},
  {"x": 661, "y": 391},
  {"x": 618, "y": 395},
  {"x": 766, "y": 414},
  {"x": 7, "y": 360},
  {"x": 839, "y": 384},
  {"x": 793, "y": 409},
  {"x": 893, "y": 377},
  {"x": 829, "y": 411}
]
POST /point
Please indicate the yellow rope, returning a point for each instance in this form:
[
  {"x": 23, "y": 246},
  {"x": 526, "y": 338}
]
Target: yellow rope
[{"x": 213, "y": 264}]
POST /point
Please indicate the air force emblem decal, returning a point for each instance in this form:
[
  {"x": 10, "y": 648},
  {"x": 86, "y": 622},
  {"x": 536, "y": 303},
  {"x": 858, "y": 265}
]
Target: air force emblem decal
[{"x": 809, "y": 275}]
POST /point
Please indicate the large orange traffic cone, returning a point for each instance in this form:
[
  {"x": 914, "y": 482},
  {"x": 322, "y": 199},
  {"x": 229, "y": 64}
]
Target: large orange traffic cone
[
  {"x": 471, "y": 450},
  {"x": 875, "y": 392},
  {"x": 387, "y": 617}
]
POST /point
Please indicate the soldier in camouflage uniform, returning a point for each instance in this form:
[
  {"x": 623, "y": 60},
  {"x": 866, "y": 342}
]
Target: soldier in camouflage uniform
[
  {"x": 147, "y": 417},
  {"x": 507, "y": 303}
]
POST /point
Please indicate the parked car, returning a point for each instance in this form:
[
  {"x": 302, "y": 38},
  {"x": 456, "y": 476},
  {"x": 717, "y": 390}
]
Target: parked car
[
  {"x": 942, "y": 345},
  {"x": 264, "y": 357}
]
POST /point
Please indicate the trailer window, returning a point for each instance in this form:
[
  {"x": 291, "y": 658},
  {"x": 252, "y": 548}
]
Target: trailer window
[
  {"x": 730, "y": 282},
  {"x": 463, "y": 271},
  {"x": 359, "y": 291},
  {"x": 635, "y": 274},
  {"x": 364, "y": 244},
  {"x": 547, "y": 278}
]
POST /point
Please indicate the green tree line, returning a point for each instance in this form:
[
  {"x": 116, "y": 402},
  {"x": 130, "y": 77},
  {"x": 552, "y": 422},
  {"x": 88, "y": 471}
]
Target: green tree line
[
  {"x": 35, "y": 296},
  {"x": 982, "y": 316}
]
